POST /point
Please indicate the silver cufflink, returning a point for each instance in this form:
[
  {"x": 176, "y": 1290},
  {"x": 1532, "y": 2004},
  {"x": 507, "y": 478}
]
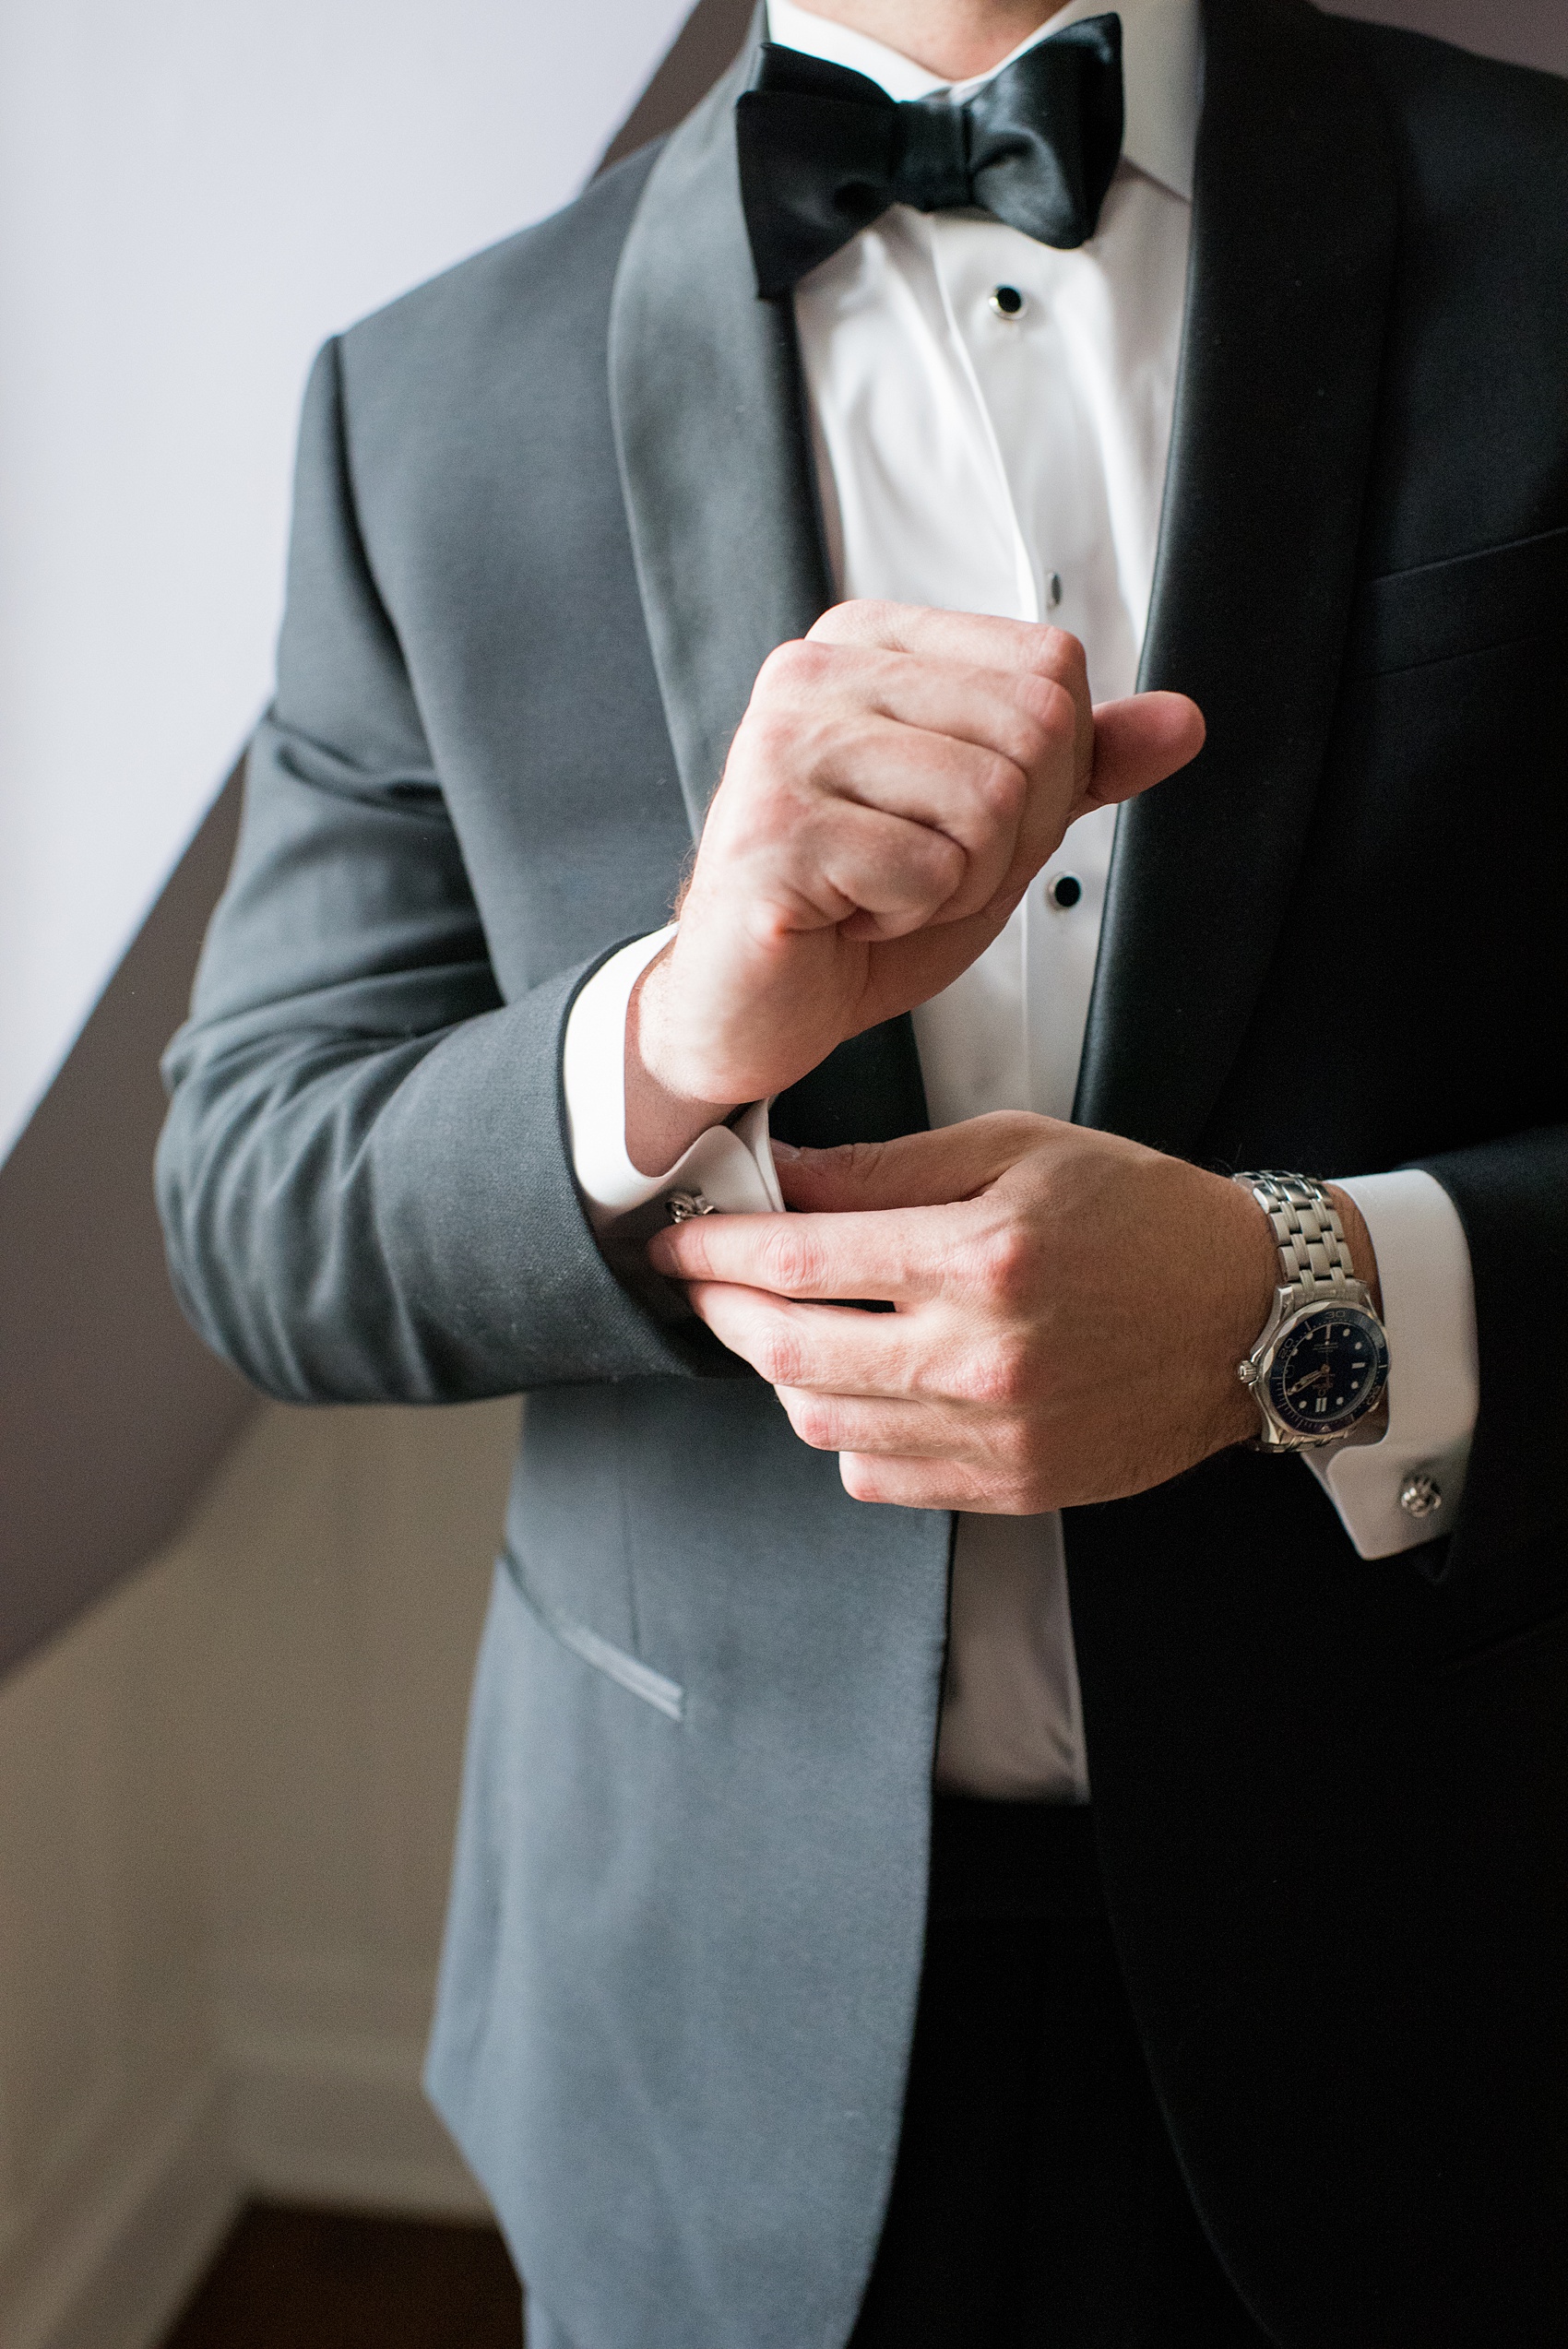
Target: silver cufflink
[
  {"x": 1421, "y": 1497},
  {"x": 682, "y": 1205}
]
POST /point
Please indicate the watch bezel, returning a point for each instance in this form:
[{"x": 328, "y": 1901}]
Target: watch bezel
[{"x": 1297, "y": 1427}]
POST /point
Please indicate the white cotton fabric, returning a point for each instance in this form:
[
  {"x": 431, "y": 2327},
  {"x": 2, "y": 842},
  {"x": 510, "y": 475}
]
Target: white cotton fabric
[{"x": 1016, "y": 466}]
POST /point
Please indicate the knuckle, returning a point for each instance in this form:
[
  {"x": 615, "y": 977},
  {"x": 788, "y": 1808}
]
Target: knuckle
[
  {"x": 777, "y": 1360},
  {"x": 932, "y": 866},
  {"x": 1000, "y": 1374},
  {"x": 1056, "y": 716},
  {"x": 859, "y": 619},
  {"x": 814, "y": 1421},
  {"x": 1007, "y": 1263},
  {"x": 771, "y": 745},
  {"x": 786, "y": 665},
  {"x": 853, "y": 1161},
  {"x": 1000, "y": 781},
  {"x": 789, "y": 1260},
  {"x": 1045, "y": 707},
  {"x": 792, "y": 673},
  {"x": 859, "y": 1476},
  {"x": 1060, "y": 653}
]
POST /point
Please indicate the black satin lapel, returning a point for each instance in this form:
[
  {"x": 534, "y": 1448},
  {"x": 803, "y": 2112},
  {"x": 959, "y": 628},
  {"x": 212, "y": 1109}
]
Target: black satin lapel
[
  {"x": 714, "y": 451},
  {"x": 1293, "y": 235}
]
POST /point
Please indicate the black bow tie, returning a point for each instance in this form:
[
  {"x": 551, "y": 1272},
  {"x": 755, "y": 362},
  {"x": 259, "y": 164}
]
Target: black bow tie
[{"x": 825, "y": 151}]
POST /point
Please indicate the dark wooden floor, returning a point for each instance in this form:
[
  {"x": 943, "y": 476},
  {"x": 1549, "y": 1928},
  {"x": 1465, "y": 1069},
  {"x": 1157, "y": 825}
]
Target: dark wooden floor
[{"x": 303, "y": 2279}]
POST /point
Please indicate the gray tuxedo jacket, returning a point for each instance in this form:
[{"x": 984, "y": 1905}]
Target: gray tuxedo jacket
[{"x": 553, "y": 509}]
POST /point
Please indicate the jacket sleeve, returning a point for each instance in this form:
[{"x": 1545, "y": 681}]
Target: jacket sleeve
[
  {"x": 364, "y": 1176},
  {"x": 1512, "y": 1201}
]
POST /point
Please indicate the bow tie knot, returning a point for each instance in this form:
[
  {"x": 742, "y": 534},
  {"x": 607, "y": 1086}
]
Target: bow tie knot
[
  {"x": 932, "y": 171},
  {"x": 824, "y": 151}
]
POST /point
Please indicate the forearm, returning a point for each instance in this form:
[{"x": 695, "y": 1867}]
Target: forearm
[
  {"x": 660, "y": 1122},
  {"x": 395, "y": 1221}
]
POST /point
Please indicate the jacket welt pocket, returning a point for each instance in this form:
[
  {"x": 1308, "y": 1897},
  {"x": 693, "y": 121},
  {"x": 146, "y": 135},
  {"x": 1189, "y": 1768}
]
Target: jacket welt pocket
[
  {"x": 1469, "y": 604},
  {"x": 628, "y": 1672}
]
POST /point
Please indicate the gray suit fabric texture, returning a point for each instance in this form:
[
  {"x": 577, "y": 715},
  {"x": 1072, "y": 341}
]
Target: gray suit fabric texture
[{"x": 553, "y": 510}]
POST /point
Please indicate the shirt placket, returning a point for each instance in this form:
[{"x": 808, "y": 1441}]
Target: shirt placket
[{"x": 1055, "y": 931}]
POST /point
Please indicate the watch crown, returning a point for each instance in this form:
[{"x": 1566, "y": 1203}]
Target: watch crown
[{"x": 1247, "y": 1372}]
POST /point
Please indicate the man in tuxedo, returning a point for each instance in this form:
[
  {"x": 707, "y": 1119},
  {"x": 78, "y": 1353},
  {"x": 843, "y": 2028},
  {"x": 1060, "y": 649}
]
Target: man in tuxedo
[{"x": 822, "y": 487}]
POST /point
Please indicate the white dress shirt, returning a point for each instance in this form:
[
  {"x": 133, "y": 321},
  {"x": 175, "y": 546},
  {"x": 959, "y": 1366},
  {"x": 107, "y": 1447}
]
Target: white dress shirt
[{"x": 993, "y": 457}]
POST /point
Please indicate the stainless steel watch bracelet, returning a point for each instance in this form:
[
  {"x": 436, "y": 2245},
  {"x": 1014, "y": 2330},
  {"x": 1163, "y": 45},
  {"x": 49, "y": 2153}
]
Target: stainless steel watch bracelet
[
  {"x": 1315, "y": 1269},
  {"x": 1307, "y": 1229}
]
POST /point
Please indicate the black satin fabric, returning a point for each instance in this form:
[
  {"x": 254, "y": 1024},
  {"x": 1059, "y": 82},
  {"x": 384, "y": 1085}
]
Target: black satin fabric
[
  {"x": 825, "y": 151},
  {"x": 1036, "y": 2201}
]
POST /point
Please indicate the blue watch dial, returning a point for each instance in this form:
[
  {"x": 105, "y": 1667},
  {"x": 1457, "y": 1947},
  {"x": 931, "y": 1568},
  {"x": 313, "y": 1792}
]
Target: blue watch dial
[{"x": 1327, "y": 1371}]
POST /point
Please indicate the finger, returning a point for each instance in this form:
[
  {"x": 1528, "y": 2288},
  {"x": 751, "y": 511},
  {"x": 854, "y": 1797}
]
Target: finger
[
  {"x": 896, "y": 1429},
  {"x": 819, "y": 1348},
  {"x": 984, "y": 755},
  {"x": 934, "y": 1484},
  {"x": 1015, "y": 711},
  {"x": 1018, "y": 648},
  {"x": 950, "y": 786},
  {"x": 1009, "y": 756},
  {"x": 1138, "y": 742},
  {"x": 839, "y": 860},
  {"x": 892, "y": 1259},
  {"x": 1014, "y": 689},
  {"x": 952, "y": 1164},
  {"x": 980, "y": 638}
]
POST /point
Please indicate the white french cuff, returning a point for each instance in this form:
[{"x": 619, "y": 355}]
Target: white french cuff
[
  {"x": 729, "y": 1167},
  {"x": 1405, "y": 1489}
]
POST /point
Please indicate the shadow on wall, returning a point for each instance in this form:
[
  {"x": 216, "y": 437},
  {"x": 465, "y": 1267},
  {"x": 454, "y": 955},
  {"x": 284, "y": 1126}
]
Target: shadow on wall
[
  {"x": 112, "y": 1414},
  {"x": 226, "y": 1799}
]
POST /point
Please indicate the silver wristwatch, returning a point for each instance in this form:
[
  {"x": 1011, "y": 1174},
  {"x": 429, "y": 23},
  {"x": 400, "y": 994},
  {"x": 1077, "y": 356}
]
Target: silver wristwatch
[{"x": 1321, "y": 1363}]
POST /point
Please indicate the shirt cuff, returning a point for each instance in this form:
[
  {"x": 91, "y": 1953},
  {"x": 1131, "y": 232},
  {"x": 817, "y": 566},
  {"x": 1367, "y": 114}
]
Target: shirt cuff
[
  {"x": 731, "y": 1165},
  {"x": 1429, "y": 1310}
]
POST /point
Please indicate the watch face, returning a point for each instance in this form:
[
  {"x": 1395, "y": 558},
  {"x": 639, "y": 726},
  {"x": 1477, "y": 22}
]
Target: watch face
[{"x": 1327, "y": 1369}]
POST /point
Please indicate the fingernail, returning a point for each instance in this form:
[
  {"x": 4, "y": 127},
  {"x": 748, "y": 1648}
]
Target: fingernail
[{"x": 782, "y": 1149}]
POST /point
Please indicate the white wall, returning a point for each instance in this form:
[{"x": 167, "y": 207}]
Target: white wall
[
  {"x": 226, "y": 1809},
  {"x": 192, "y": 194}
]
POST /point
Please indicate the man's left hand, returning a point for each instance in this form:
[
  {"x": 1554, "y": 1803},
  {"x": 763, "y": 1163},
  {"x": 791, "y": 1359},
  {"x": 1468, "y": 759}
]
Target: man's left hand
[{"x": 1069, "y": 1311}]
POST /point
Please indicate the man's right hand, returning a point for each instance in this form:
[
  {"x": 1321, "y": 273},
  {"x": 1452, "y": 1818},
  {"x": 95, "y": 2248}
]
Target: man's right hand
[{"x": 898, "y": 781}]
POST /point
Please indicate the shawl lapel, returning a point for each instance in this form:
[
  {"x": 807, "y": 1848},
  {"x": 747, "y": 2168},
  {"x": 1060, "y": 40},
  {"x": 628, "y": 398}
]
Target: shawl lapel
[
  {"x": 1293, "y": 248},
  {"x": 711, "y": 438},
  {"x": 716, "y": 471}
]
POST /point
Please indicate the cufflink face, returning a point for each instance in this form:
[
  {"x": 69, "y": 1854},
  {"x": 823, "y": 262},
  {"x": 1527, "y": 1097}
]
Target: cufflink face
[
  {"x": 1421, "y": 1497},
  {"x": 1326, "y": 1370},
  {"x": 682, "y": 1205}
]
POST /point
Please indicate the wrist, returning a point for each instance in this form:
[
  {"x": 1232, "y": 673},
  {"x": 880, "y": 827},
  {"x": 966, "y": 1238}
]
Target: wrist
[
  {"x": 1250, "y": 1259},
  {"x": 665, "y": 1108},
  {"x": 1319, "y": 1365},
  {"x": 1359, "y": 1241}
]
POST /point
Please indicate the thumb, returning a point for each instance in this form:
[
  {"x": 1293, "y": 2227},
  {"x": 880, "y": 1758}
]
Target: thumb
[
  {"x": 1139, "y": 741},
  {"x": 917, "y": 1170}
]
